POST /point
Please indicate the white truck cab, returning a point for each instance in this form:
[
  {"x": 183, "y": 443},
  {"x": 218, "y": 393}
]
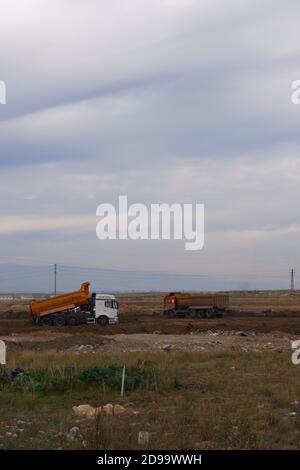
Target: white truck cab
[{"x": 106, "y": 309}]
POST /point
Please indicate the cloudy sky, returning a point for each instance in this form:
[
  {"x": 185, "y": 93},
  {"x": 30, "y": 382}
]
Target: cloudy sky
[{"x": 161, "y": 100}]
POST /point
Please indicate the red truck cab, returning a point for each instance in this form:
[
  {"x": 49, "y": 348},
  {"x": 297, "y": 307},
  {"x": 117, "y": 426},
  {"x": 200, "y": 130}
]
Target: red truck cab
[{"x": 169, "y": 302}]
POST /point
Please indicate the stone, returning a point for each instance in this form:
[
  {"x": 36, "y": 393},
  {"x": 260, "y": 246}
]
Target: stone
[
  {"x": 143, "y": 438},
  {"x": 73, "y": 433},
  {"x": 248, "y": 334},
  {"x": 86, "y": 411},
  {"x": 11, "y": 435},
  {"x": 119, "y": 410},
  {"x": 108, "y": 409}
]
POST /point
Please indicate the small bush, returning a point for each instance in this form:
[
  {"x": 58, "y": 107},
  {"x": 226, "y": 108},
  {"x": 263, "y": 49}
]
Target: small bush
[
  {"x": 112, "y": 376},
  {"x": 24, "y": 381},
  {"x": 60, "y": 380},
  {"x": 44, "y": 380}
]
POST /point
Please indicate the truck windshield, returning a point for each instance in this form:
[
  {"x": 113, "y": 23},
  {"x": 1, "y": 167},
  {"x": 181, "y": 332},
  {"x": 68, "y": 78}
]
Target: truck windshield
[{"x": 111, "y": 304}]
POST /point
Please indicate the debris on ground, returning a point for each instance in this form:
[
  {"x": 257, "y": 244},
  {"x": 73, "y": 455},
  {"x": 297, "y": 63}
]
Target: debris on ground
[
  {"x": 248, "y": 334},
  {"x": 73, "y": 434},
  {"x": 167, "y": 347},
  {"x": 15, "y": 372},
  {"x": 11, "y": 435},
  {"x": 143, "y": 438}
]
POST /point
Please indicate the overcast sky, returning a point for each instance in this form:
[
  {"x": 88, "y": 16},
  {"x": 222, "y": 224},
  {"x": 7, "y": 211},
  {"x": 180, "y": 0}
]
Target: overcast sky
[{"x": 161, "y": 100}]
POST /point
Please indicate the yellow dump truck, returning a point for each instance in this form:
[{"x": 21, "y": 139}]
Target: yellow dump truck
[
  {"x": 75, "y": 308},
  {"x": 182, "y": 304}
]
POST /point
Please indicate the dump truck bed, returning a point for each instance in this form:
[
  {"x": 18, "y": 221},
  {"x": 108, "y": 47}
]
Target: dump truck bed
[
  {"x": 62, "y": 302},
  {"x": 195, "y": 305},
  {"x": 185, "y": 300}
]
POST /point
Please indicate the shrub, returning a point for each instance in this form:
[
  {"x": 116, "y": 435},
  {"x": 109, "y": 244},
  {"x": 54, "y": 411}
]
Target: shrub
[
  {"x": 24, "y": 381},
  {"x": 44, "y": 380},
  {"x": 112, "y": 376},
  {"x": 59, "y": 380}
]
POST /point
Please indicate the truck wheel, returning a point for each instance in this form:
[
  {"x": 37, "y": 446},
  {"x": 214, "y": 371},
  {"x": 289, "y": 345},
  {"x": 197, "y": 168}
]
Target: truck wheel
[
  {"x": 194, "y": 314},
  {"x": 59, "y": 321},
  {"x": 46, "y": 321},
  {"x": 82, "y": 320},
  {"x": 171, "y": 313},
  {"x": 203, "y": 314},
  {"x": 103, "y": 321},
  {"x": 72, "y": 321}
]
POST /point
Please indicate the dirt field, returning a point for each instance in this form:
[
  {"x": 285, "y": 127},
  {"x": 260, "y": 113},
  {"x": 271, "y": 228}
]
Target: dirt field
[
  {"x": 141, "y": 321},
  {"x": 19, "y": 331}
]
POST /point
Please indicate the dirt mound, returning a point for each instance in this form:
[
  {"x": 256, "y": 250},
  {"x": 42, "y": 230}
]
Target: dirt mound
[
  {"x": 91, "y": 334},
  {"x": 14, "y": 314}
]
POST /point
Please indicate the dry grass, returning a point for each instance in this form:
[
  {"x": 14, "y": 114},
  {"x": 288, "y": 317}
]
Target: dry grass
[
  {"x": 211, "y": 401},
  {"x": 275, "y": 301},
  {"x": 14, "y": 306},
  {"x": 255, "y": 301},
  {"x": 206, "y": 400},
  {"x": 149, "y": 303}
]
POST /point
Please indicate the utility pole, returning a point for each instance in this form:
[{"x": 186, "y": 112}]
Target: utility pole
[
  {"x": 292, "y": 274},
  {"x": 55, "y": 274}
]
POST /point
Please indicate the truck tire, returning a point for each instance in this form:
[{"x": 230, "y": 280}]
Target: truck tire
[
  {"x": 72, "y": 321},
  {"x": 171, "y": 314},
  {"x": 210, "y": 314},
  {"x": 103, "y": 320},
  {"x": 45, "y": 321},
  {"x": 59, "y": 321},
  {"x": 82, "y": 320}
]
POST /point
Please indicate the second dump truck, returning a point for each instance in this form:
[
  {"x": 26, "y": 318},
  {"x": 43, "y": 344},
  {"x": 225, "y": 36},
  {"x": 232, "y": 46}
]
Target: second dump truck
[
  {"x": 182, "y": 304},
  {"x": 75, "y": 308}
]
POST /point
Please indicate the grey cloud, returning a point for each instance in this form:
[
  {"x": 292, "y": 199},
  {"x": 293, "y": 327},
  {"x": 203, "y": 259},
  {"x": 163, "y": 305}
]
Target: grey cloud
[{"x": 163, "y": 101}]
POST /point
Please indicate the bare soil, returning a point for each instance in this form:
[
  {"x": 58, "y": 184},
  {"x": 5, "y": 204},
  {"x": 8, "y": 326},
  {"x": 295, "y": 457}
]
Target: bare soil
[
  {"x": 153, "y": 333},
  {"x": 275, "y": 318}
]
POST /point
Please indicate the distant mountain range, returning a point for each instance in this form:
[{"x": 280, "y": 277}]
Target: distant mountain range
[
  {"x": 24, "y": 278},
  {"x": 40, "y": 279}
]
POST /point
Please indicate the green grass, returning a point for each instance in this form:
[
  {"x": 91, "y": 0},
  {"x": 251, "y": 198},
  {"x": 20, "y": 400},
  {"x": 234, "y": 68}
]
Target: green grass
[{"x": 59, "y": 380}]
